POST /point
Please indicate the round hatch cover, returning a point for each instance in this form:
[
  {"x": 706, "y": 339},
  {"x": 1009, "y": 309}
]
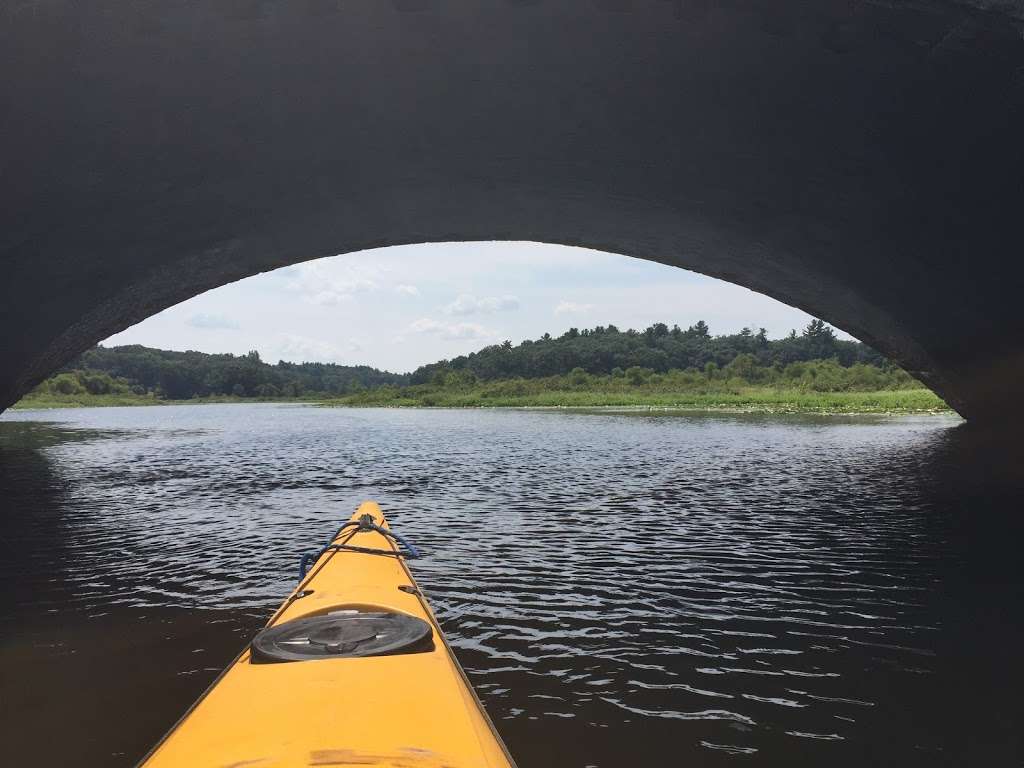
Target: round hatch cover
[{"x": 339, "y": 635}]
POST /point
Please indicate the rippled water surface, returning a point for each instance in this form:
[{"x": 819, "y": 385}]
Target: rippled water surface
[{"x": 623, "y": 589}]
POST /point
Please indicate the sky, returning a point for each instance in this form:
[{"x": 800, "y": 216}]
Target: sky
[{"x": 400, "y": 307}]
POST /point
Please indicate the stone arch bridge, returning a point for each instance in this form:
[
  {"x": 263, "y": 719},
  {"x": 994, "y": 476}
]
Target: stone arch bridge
[{"x": 860, "y": 159}]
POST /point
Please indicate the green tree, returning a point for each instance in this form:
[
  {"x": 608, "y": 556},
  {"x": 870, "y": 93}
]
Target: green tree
[
  {"x": 637, "y": 375},
  {"x": 699, "y": 329},
  {"x": 66, "y": 384},
  {"x": 819, "y": 340}
]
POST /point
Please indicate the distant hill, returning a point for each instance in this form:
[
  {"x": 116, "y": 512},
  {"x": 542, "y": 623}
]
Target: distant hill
[
  {"x": 182, "y": 375},
  {"x": 659, "y": 348},
  {"x": 603, "y": 350}
]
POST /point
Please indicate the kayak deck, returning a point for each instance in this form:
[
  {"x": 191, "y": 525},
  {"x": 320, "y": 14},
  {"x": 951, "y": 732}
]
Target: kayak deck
[{"x": 411, "y": 709}]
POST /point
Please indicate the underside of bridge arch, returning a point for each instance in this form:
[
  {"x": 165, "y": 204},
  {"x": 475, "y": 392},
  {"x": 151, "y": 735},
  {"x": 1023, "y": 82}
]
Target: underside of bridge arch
[{"x": 860, "y": 160}]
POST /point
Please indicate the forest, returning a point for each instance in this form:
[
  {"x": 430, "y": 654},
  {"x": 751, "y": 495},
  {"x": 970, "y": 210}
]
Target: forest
[
  {"x": 592, "y": 366},
  {"x": 658, "y": 348},
  {"x": 170, "y": 375}
]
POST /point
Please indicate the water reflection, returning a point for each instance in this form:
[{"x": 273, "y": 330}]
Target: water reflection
[{"x": 623, "y": 589}]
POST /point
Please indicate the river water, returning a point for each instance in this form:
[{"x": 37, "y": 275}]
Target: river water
[{"x": 623, "y": 589}]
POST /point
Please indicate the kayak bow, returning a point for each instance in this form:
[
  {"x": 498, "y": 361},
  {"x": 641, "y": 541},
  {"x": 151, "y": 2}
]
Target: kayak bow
[{"x": 352, "y": 669}]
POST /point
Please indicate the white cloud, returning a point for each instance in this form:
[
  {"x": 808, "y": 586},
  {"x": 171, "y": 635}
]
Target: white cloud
[
  {"x": 303, "y": 349},
  {"x": 208, "y": 321},
  {"x": 407, "y": 290},
  {"x": 564, "y": 282},
  {"x": 329, "y": 284},
  {"x": 572, "y": 308},
  {"x": 466, "y": 304},
  {"x": 450, "y": 331}
]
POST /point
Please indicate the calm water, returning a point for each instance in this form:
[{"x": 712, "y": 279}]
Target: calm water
[{"x": 623, "y": 590}]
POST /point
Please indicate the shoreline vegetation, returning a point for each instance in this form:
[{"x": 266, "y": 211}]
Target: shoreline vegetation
[
  {"x": 658, "y": 368},
  {"x": 741, "y": 398},
  {"x": 745, "y": 399}
]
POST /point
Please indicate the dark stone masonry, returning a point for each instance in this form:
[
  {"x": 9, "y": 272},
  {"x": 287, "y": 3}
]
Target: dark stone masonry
[{"x": 863, "y": 161}]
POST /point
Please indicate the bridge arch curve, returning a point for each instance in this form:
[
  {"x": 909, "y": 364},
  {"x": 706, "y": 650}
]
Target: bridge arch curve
[
  {"x": 691, "y": 247},
  {"x": 859, "y": 161}
]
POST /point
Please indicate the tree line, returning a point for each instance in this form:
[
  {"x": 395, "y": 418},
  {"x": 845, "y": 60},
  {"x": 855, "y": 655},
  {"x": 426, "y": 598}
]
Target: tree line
[
  {"x": 605, "y": 350},
  {"x": 581, "y": 356},
  {"x": 184, "y": 375}
]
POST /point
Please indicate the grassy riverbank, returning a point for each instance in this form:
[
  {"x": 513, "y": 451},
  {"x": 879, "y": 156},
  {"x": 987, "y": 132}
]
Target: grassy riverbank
[
  {"x": 739, "y": 398},
  {"x": 747, "y": 381},
  {"x": 748, "y": 398},
  {"x": 47, "y": 400},
  {"x": 818, "y": 387}
]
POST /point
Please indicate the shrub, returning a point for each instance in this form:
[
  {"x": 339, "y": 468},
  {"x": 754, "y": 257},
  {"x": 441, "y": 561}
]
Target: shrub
[
  {"x": 66, "y": 384},
  {"x": 637, "y": 375}
]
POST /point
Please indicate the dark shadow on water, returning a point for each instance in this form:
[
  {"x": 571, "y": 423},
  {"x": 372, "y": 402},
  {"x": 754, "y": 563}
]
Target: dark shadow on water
[
  {"x": 96, "y": 684},
  {"x": 854, "y": 584}
]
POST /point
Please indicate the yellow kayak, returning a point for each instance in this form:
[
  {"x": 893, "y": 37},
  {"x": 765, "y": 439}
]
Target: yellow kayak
[{"x": 353, "y": 669}]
